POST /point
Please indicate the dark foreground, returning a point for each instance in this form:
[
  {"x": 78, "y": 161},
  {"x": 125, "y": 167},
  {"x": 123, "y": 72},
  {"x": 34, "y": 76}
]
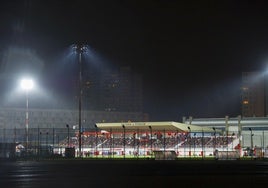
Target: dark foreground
[{"x": 120, "y": 173}]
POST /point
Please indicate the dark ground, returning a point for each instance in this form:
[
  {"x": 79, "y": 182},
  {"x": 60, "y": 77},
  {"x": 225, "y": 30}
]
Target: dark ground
[{"x": 120, "y": 173}]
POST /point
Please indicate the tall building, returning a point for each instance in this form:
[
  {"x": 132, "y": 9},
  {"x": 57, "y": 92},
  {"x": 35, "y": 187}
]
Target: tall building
[{"x": 253, "y": 94}]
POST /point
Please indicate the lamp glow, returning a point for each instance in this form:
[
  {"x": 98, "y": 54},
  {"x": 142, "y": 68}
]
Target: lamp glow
[{"x": 27, "y": 84}]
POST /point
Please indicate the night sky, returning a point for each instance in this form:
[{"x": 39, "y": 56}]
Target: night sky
[{"x": 190, "y": 53}]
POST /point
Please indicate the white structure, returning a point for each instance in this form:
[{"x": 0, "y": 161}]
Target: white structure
[{"x": 239, "y": 126}]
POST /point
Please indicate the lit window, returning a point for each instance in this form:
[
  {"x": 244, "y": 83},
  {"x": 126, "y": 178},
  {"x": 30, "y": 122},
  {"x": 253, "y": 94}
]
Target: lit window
[{"x": 245, "y": 102}]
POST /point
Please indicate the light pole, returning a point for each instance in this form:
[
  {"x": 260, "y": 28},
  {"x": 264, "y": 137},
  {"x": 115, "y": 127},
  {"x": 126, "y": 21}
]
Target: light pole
[
  {"x": 68, "y": 129},
  {"x": 203, "y": 152},
  {"x": 134, "y": 144},
  {"x": 251, "y": 142},
  {"x": 190, "y": 141},
  {"x": 184, "y": 148},
  {"x": 102, "y": 145},
  {"x": 214, "y": 139},
  {"x": 194, "y": 143},
  {"x": 151, "y": 140},
  {"x": 263, "y": 148},
  {"x": 124, "y": 140},
  {"x": 96, "y": 140},
  {"x": 80, "y": 49},
  {"x": 265, "y": 93},
  {"x": 178, "y": 141},
  {"x": 27, "y": 84}
]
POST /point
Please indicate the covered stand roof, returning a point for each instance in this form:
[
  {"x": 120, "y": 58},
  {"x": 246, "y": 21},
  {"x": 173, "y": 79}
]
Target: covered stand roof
[{"x": 155, "y": 126}]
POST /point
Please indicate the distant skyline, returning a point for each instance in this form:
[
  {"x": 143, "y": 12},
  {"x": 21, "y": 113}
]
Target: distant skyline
[{"x": 191, "y": 54}]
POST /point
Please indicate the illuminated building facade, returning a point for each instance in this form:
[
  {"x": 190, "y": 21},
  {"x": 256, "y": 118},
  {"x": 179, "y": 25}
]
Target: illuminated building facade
[{"x": 253, "y": 94}]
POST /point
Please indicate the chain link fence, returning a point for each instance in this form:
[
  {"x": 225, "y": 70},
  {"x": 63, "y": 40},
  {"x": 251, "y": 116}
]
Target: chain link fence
[{"x": 95, "y": 143}]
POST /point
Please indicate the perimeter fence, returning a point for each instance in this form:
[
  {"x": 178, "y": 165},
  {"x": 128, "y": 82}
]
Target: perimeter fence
[{"x": 95, "y": 143}]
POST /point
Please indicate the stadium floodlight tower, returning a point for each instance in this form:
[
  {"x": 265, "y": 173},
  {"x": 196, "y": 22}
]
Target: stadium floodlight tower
[
  {"x": 27, "y": 85},
  {"x": 80, "y": 49}
]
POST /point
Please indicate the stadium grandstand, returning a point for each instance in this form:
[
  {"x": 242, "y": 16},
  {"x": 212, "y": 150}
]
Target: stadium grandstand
[
  {"x": 134, "y": 140},
  {"x": 144, "y": 139}
]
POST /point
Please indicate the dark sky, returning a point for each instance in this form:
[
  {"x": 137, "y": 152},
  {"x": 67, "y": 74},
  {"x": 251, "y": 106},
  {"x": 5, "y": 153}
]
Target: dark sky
[{"x": 191, "y": 53}]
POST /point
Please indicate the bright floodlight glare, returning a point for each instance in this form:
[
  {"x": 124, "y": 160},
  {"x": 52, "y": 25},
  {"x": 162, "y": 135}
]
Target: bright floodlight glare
[{"x": 27, "y": 84}]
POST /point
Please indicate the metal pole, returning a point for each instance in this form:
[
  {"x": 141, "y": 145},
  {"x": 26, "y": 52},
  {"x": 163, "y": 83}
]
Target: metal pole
[
  {"x": 190, "y": 141},
  {"x": 102, "y": 145},
  {"x": 112, "y": 137},
  {"x": 138, "y": 144},
  {"x": 58, "y": 136},
  {"x": 27, "y": 121},
  {"x": 214, "y": 140},
  {"x": 68, "y": 130},
  {"x": 184, "y": 146},
  {"x": 164, "y": 144},
  {"x": 53, "y": 139},
  {"x": 239, "y": 134},
  {"x": 124, "y": 141},
  {"x": 265, "y": 95},
  {"x": 150, "y": 127},
  {"x": 134, "y": 144},
  {"x": 203, "y": 152},
  {"x": 251, "y": 143},
  {"x": 177, "y": 138},
  {"x": 80, "y": 97},
  {"x": 227, "y": 132},
  {"x": 96, "y": 140},
  {"x": 194, "y": 143},
  {"x": 263, "y": 148},
  {"x": 227, "y": 145}
]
